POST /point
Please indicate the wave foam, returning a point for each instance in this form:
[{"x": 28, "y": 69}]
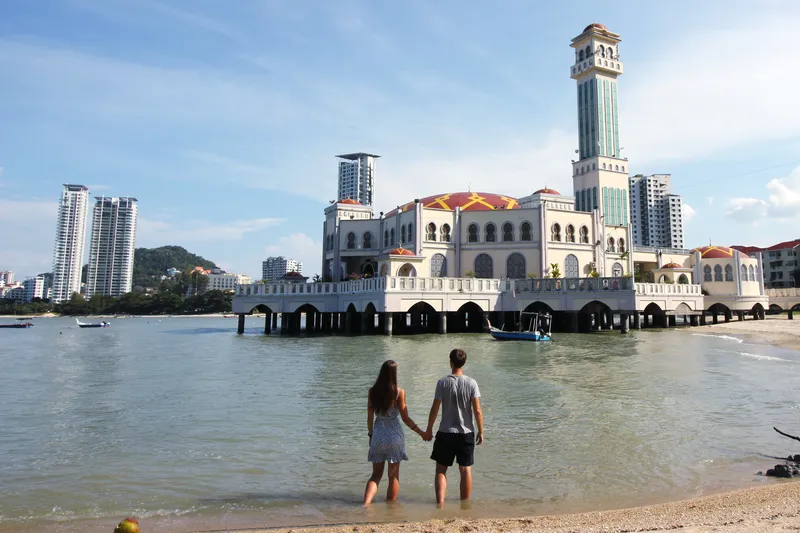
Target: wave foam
[
  {"x": 764, "y": 357},
  {"x": 725, "y": 337}
]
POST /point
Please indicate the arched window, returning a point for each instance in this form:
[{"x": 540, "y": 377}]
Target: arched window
[
  {"x": 368, "y": 240},
  {"x": 752, "y": 273},
  {"x": 391, "y": 237},
  {"x": 491, "y": 233},
  {"x": 483, "y": 266},
  {"x": 611, "y": 247},
  {"x": 386, "y": 238},
  {"x": 351, "y": 241},
  {"x": 728, "y": 273},
  {"x": 616, "y": 167},
  {"x": 616, "y": 270},
  {"x": 621, "y": 246},
  {"x": 707, "y": 273},
  {"x": 431, "y": 232},
  {"x": 402, "y": 234},
  {"x": 525, "y": 231},
  {"x": 683, "y": 280},
  {"x": 570, "y": 233},
  {"x": 410, "y": 232},
  {"x": 588, "y": 52},
  {"x": 445, "y": 229},
  {"x": 602, "y": 51},
  {"x": 438, "y": 266},
  {"x": 571, "y": 269},
  {"x": 717, "y": 272},
  {"x": 580, "y": 55},
  {"x": 515, "y": 266},
  {"x": 743, "y": 274},
  {"x": 584, "y": 235},
  {"x": 604, "y": 166},
  {"x": 384, "y": 270},
  {"x": 555, "y": 233},
  {"x": 472, "y": 233},
  {"x": 508, "y": 232}
]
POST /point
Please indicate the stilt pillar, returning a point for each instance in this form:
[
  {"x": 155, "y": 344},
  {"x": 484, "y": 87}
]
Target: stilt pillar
[
  {"x": 610, "y": 320},
  {"x": 703, "y": 320},
  {"x": 365, "y": 325},
  {"x": 791, "y": 314},
  {"x": 387, "y": 323},
  {"x": 637, "y": 320},
  {"x": 694, "y": 320},
  {"x": 284, "y": 324},
  {"x": 672, "y": 320},
  {"x": 267, "y": 323},
  {"x": 623, "y": 323},
  {"x": 240, "y": 325},
  {"x": 274, "y": 320},
  {"x": 574, "y": 321},
  {"x": 443, "y": 323}
]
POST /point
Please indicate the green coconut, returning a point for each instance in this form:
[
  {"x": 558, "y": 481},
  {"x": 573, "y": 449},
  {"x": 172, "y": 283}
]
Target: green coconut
[{"x": 129, "y": 525}]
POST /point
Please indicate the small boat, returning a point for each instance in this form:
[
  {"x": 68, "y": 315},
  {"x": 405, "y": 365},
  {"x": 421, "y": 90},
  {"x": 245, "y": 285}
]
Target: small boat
[
  {"x": 531, "y": 327},
  {"x": 22, "y": 323},
  {"x": 102, "y": 324}
]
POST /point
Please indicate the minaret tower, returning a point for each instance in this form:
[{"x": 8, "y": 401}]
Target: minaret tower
[{"x": 600, "y": 173}]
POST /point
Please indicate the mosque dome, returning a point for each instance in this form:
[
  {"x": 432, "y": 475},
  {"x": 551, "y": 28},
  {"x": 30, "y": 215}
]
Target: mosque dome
[
  {"x": 467, "y": 201},
  {"x": 717, "y": 252},
  {"x": 595, "y": 25},
  {"x": 547, "y": 191},
  {"x": 349, "y": 201},
  {"x": 671, "y": 266},
  {"x": 400, "y": 251}
]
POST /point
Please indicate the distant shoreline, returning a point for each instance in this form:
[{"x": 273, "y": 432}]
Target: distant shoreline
[{"x": 776, "y": 330}]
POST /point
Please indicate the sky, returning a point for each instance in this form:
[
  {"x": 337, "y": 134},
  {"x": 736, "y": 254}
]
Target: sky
[{"x": 223, "y": 118}]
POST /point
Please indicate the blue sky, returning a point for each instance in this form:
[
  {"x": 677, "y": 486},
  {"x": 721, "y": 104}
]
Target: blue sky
[{"x": 223, "y": 118}]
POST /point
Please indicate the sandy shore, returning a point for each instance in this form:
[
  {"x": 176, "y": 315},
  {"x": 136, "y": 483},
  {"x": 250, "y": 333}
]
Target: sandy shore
[
  {"x": 776, "y": 329},
  {"x": 769, "y": 508}
]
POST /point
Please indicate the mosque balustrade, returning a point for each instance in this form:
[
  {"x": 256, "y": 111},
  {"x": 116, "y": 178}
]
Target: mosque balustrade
[
  {"x": 394, "y": 283},
  {"x": 377, "y": 284},
  {"x": 657, "y": 289},
  {"x": 783, "y": 293},
  {"x": 624, "y": 283}
]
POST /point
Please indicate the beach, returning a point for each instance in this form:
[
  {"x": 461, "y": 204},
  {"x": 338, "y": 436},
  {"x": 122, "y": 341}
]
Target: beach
[
  {"x": 777, "y": 330},
  {"x": 772, "y": 507}
]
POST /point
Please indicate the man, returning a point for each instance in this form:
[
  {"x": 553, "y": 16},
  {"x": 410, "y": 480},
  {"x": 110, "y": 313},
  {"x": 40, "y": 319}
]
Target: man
[{"x": 459, "y": 397}]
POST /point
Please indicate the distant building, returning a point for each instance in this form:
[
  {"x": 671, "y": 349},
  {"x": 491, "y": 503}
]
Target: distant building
[
  {"x": 34, "y": 287},
  {"x": 13, "y": 292},
  {"x": 6, "y": 277},
  {"x": 779, "y": 261},
  {"x": 274, "y": 268},
  {"x": 224, "y": 281},
  {"x": 70, "y": 238},
  {"x": 113, "y": 240},
  {"x": 656, "y": 214},
  {"x": 357, "y": 177}
]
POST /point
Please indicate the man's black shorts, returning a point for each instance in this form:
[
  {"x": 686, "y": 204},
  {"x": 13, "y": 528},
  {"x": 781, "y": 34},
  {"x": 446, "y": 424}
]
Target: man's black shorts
[{"x": 449, "y": 446}]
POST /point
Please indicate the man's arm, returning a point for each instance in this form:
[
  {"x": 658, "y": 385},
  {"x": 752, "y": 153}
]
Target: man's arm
[
  {"x": 476, "y": 410},
  {"x": 432, "y": 418}
]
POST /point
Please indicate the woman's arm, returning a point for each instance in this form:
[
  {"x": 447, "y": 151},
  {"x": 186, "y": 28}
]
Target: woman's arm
[
  {"x": 401, "y": 398},
  {"x": 370, "y": 415}
]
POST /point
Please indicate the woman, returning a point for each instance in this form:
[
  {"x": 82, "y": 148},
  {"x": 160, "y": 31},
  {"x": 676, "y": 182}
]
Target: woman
[{"x": 386, "y": 405}]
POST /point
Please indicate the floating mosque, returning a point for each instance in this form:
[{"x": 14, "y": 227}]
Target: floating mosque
[{"x": 450, "y": 261}]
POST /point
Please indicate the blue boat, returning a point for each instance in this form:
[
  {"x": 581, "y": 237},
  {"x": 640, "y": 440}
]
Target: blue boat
[{"x": 531, "y": 327}]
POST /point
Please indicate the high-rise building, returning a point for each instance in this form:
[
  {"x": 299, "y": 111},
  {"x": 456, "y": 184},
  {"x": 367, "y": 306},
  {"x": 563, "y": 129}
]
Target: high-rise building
[
  {"x": 274, "y": 268},
  {"x": 113, "y": 240},
  {"x": 599, "y": 175},
  {"x": 6, "y": 277},
  {"x": 70, "y": 238},
  {"x": 34, "y": 287},
  {"x": 780, "y": 262},
  {"x": 357, "y": 177},
  {"x": 656, "y": 213}
]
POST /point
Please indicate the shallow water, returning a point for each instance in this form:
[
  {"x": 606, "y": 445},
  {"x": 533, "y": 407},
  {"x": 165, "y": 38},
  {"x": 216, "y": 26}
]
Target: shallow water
[{"x": 189, "y": 426}]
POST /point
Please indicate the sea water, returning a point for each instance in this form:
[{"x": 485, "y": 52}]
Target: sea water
[{"x": 190, "y": 427}]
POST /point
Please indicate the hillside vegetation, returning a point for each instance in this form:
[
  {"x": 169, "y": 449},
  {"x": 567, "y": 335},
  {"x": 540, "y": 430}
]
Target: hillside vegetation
[{"x": 149, "y": 264}]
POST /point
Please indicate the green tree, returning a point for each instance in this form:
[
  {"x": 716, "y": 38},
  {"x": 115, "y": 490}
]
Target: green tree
[{"x": 150, "y": 264}]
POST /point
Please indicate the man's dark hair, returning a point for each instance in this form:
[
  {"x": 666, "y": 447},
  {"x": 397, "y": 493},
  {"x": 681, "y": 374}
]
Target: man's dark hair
[{"x": 458, "y": 358}]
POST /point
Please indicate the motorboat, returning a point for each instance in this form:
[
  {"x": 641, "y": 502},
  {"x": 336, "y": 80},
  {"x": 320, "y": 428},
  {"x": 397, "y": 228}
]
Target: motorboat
[
  {"x": 102, "y": 324},
  {"x": 531, "y": 327},
  {"x": 22, "y": 323}
]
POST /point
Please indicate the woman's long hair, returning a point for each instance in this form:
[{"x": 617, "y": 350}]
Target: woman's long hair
[{"x": 383, "y": 394}]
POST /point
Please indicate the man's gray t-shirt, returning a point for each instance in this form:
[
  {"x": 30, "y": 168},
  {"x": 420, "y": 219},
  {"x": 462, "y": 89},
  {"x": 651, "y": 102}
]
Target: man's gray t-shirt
[{"x": 456, "y": 394}]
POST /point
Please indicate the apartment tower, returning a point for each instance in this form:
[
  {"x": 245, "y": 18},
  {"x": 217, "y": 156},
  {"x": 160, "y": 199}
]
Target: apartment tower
[
  {"x": 70, "y": 238},
  {"x": 656, "y": 213},
  {"x": 113, "y": 240},
  {"x": 357, "y": 177},
  {"x": 274, "y": 268}
]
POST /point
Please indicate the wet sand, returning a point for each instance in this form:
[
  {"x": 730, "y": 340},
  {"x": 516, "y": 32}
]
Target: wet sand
[
  {"x": 777, "y": 330},
  {"x": 773, "y": 507}
]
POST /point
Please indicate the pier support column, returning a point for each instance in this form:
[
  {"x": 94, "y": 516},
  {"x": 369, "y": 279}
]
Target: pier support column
[
  {"x": 715, "y": 319},
  {"x": 284, "y": 324},
  {"x": 573, "y": 321},
  {"x": 267, "y": 323},
  {"x": 610, "y": 320},
  {"x": 672, "y": 320},
  {"x": 791, "y": 315},
  {"x": 740, "y": 316},
  {"x": 703, "y": 321},
  {"x": 728, "y": 317},
  {"x": 443, "y": 323},
  {"x": 623, "y": 323},
  {"x": 694, "y": 320},
  {"x": 366, "y": 327},
  {"x": 762, "y": 315},
  {"x": 240, "y": 325},
  {"x": 387, "y": 324},
  {"x": 637, "y": 320}
]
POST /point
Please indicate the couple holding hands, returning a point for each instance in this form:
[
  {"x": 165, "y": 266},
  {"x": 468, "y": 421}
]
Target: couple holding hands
[{"x": 459, "y": 399}]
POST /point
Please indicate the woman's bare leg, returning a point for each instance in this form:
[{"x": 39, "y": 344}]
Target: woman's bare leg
[
  {"x": 394, "y": 482},
  {"x": 372, "y": 484}
]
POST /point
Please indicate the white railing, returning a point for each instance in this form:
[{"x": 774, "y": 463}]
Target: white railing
[
  {"x": 658, "y": 289},
  {"x": 784, "y": 293},
  {"x": 379, "y": 284},
  {"x": 446, "y": 285},
  {"x": 624, "y": 283},
  {"x": 680, "y": 251}
]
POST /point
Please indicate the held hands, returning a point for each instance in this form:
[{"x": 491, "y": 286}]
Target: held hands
[{"x": 427, "y": 436}]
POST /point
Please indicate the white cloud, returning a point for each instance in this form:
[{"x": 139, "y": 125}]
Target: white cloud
[
  {"x": 782, "y": 203},
  {"x": 153, "y": 233},
  {"x": 688, "y": 213},
  {"x": 301, "y": 247},
  {"x": 710, "y": 200}
]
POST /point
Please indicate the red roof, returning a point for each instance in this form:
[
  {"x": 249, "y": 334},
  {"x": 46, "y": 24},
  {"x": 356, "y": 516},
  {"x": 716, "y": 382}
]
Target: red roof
[
  {"x": 672, "y": 265},
  {"x": 400, "y": 251},
  {"x": 595, "y": 25},
  {"x": 716, "y": 252},
  {"x": 780, "y": 246},
  {"x": 467, "y": 201},
  {"x": 349, "y": 201},
  {"x": 547, "y": 191}
]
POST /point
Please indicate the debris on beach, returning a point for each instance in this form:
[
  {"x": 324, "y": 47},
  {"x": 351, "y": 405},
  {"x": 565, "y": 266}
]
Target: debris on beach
[
  {"x": 790, "y": 465},
  {"x": 129, "y": 525}
]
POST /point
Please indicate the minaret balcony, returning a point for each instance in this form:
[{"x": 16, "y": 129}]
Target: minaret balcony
[{"x": 596, "y": 62}]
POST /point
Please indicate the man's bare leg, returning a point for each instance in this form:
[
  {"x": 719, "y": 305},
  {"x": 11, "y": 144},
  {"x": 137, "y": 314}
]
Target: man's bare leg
[
  {"x": 372, "y": 485},
  {"x": 393, "y": 488},
  {"x": 440, "y": 483},
  {"x": 466, "y": 481}
]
